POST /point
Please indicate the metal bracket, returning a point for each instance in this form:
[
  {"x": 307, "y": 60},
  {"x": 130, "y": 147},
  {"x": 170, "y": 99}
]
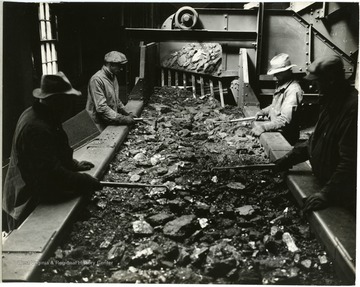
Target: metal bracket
[{"x": 246, "y": 96}]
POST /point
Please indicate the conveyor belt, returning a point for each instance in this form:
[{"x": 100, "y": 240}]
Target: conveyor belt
[{"x": 25, "y": 250}]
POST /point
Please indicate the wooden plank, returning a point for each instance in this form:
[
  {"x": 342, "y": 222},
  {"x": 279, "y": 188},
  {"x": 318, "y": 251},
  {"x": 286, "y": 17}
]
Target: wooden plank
[{"x": 273, "y": 141}]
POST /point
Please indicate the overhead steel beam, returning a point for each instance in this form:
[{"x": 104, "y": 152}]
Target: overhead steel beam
[{"x": 191, "y": 35}]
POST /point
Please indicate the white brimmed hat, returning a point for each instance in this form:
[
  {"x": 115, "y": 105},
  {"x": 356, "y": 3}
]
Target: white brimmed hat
[{"x": 280, "y": 63}]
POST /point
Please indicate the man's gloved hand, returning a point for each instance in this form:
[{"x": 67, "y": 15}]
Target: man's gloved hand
[
  {"x": 126, "y": 120},
  {"x": 84, "y": 165},
  {"x": 282, "y": 164},
  {"x": 260, "y": 115},
  {"x": 257, "y": 131},
  {"x": 316, "y": 201},
  {"x": 93, "y": 184}
]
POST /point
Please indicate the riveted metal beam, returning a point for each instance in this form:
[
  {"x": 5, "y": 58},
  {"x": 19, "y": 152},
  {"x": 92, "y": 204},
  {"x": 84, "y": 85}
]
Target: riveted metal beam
[{"x": 191, "y": 35}]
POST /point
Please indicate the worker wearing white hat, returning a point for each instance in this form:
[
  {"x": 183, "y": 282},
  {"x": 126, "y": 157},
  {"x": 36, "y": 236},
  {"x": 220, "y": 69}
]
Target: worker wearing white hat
[
  {"x": 103, "y": 103},
  {"x": 287, "y": 97}
]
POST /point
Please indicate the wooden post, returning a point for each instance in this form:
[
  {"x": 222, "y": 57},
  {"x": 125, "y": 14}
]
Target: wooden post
[
  {"x": 221, "y": 94},
  {"x": 202, "y": 86},
  {"x": 162, "y": 77},
  {"x": 193, "y": 85},
  {"x": 211, "y": 88},
  {"x": 176, "y": 80},
  {"x": 184, "y": 80},
  {"x": 142, "y": 61},
  {"x": 169, "y": 78}
]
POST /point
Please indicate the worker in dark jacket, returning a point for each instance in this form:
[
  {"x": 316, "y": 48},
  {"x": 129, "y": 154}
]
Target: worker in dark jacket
[
  {"x": 103, "y": 104},
  {"x": 332, "y": 148},
  {"x": 42, "y": 167},
  {"x": 281, "y": 114}
]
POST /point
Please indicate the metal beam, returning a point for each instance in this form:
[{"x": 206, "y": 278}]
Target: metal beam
[{"x": 159, "y": 35}]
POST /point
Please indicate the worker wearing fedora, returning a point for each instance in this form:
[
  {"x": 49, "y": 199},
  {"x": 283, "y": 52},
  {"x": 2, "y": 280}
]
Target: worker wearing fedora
[
  {"x": 103, "y": 103},
  {"x": 281, "y": 114},
  {"x": 332, "y": 147},
  {"x": 42, "y": 167}
]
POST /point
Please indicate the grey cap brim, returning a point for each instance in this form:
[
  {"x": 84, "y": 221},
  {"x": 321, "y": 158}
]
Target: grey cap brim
[{"x": 311, "y": 77}]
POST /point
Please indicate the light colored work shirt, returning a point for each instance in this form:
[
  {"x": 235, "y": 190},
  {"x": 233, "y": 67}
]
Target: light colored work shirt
[
  {"x": 287, "y": 97},
  {"x": 103, "y": 103}
]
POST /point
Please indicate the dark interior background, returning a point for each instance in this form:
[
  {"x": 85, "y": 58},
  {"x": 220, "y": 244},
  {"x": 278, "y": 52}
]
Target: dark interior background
[{"x": 85, "y": 33}]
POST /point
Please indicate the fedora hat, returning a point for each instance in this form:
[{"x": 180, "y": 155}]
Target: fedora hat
[
  {"x": 115, "y": 57},
  {"x": 280, "y": 63},
  {"x": 54, "y": 85}
]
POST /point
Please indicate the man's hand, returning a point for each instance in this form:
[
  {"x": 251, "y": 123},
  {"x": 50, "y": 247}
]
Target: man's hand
[
  {"x": 316, "y": 201},
  {"x": 126, "y": 120},
  {"x": 260, "y": 116},
  {"x": 257, "y": 131},
  {"x": 84, "y": 165},
  {"x": 95, "y": 184},
  {"x": 282, "y": 164}
]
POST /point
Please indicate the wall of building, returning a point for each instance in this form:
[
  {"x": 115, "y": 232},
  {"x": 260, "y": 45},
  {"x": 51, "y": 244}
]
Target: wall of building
[{"x": 20, "y": 74}]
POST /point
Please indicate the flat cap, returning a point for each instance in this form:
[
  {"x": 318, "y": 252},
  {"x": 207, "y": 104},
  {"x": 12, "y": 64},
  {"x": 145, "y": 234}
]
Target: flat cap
[
  {"x": 115, "y": 57},
  {"x": 326, "y": 67}
]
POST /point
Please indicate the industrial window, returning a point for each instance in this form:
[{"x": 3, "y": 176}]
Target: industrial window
[{"x": 48, "y": 38}]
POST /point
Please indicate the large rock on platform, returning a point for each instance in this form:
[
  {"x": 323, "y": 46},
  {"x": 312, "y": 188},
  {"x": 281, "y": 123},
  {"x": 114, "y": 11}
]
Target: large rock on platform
[
  {"x": 198, "y": 58},
  {"x": 180, "y": 227}
]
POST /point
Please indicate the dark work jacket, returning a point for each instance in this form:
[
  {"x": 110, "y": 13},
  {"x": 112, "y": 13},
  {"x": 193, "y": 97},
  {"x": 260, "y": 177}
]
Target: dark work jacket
[
  {"x": 332, "y": 148},
  {"x": 41, "y": 166}
]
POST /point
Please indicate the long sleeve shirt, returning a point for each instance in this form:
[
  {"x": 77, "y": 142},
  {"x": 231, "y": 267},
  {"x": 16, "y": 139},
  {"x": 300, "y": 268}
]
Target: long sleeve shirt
[
  {"x": 286, "y": 99},
  {"x": 103, "y": 103},
  {"x": 41, "y": 167},
  {"x": 332, "y": 148}
]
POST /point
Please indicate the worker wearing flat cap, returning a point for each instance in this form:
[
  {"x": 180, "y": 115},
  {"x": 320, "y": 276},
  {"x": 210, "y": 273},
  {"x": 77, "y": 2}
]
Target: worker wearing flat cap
[
  {"x": 281, "y": 114},
  {"x": 103, "y": 104},
  {"x": 42, "y": 167},
  {"x": 332, "y": 148}
]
